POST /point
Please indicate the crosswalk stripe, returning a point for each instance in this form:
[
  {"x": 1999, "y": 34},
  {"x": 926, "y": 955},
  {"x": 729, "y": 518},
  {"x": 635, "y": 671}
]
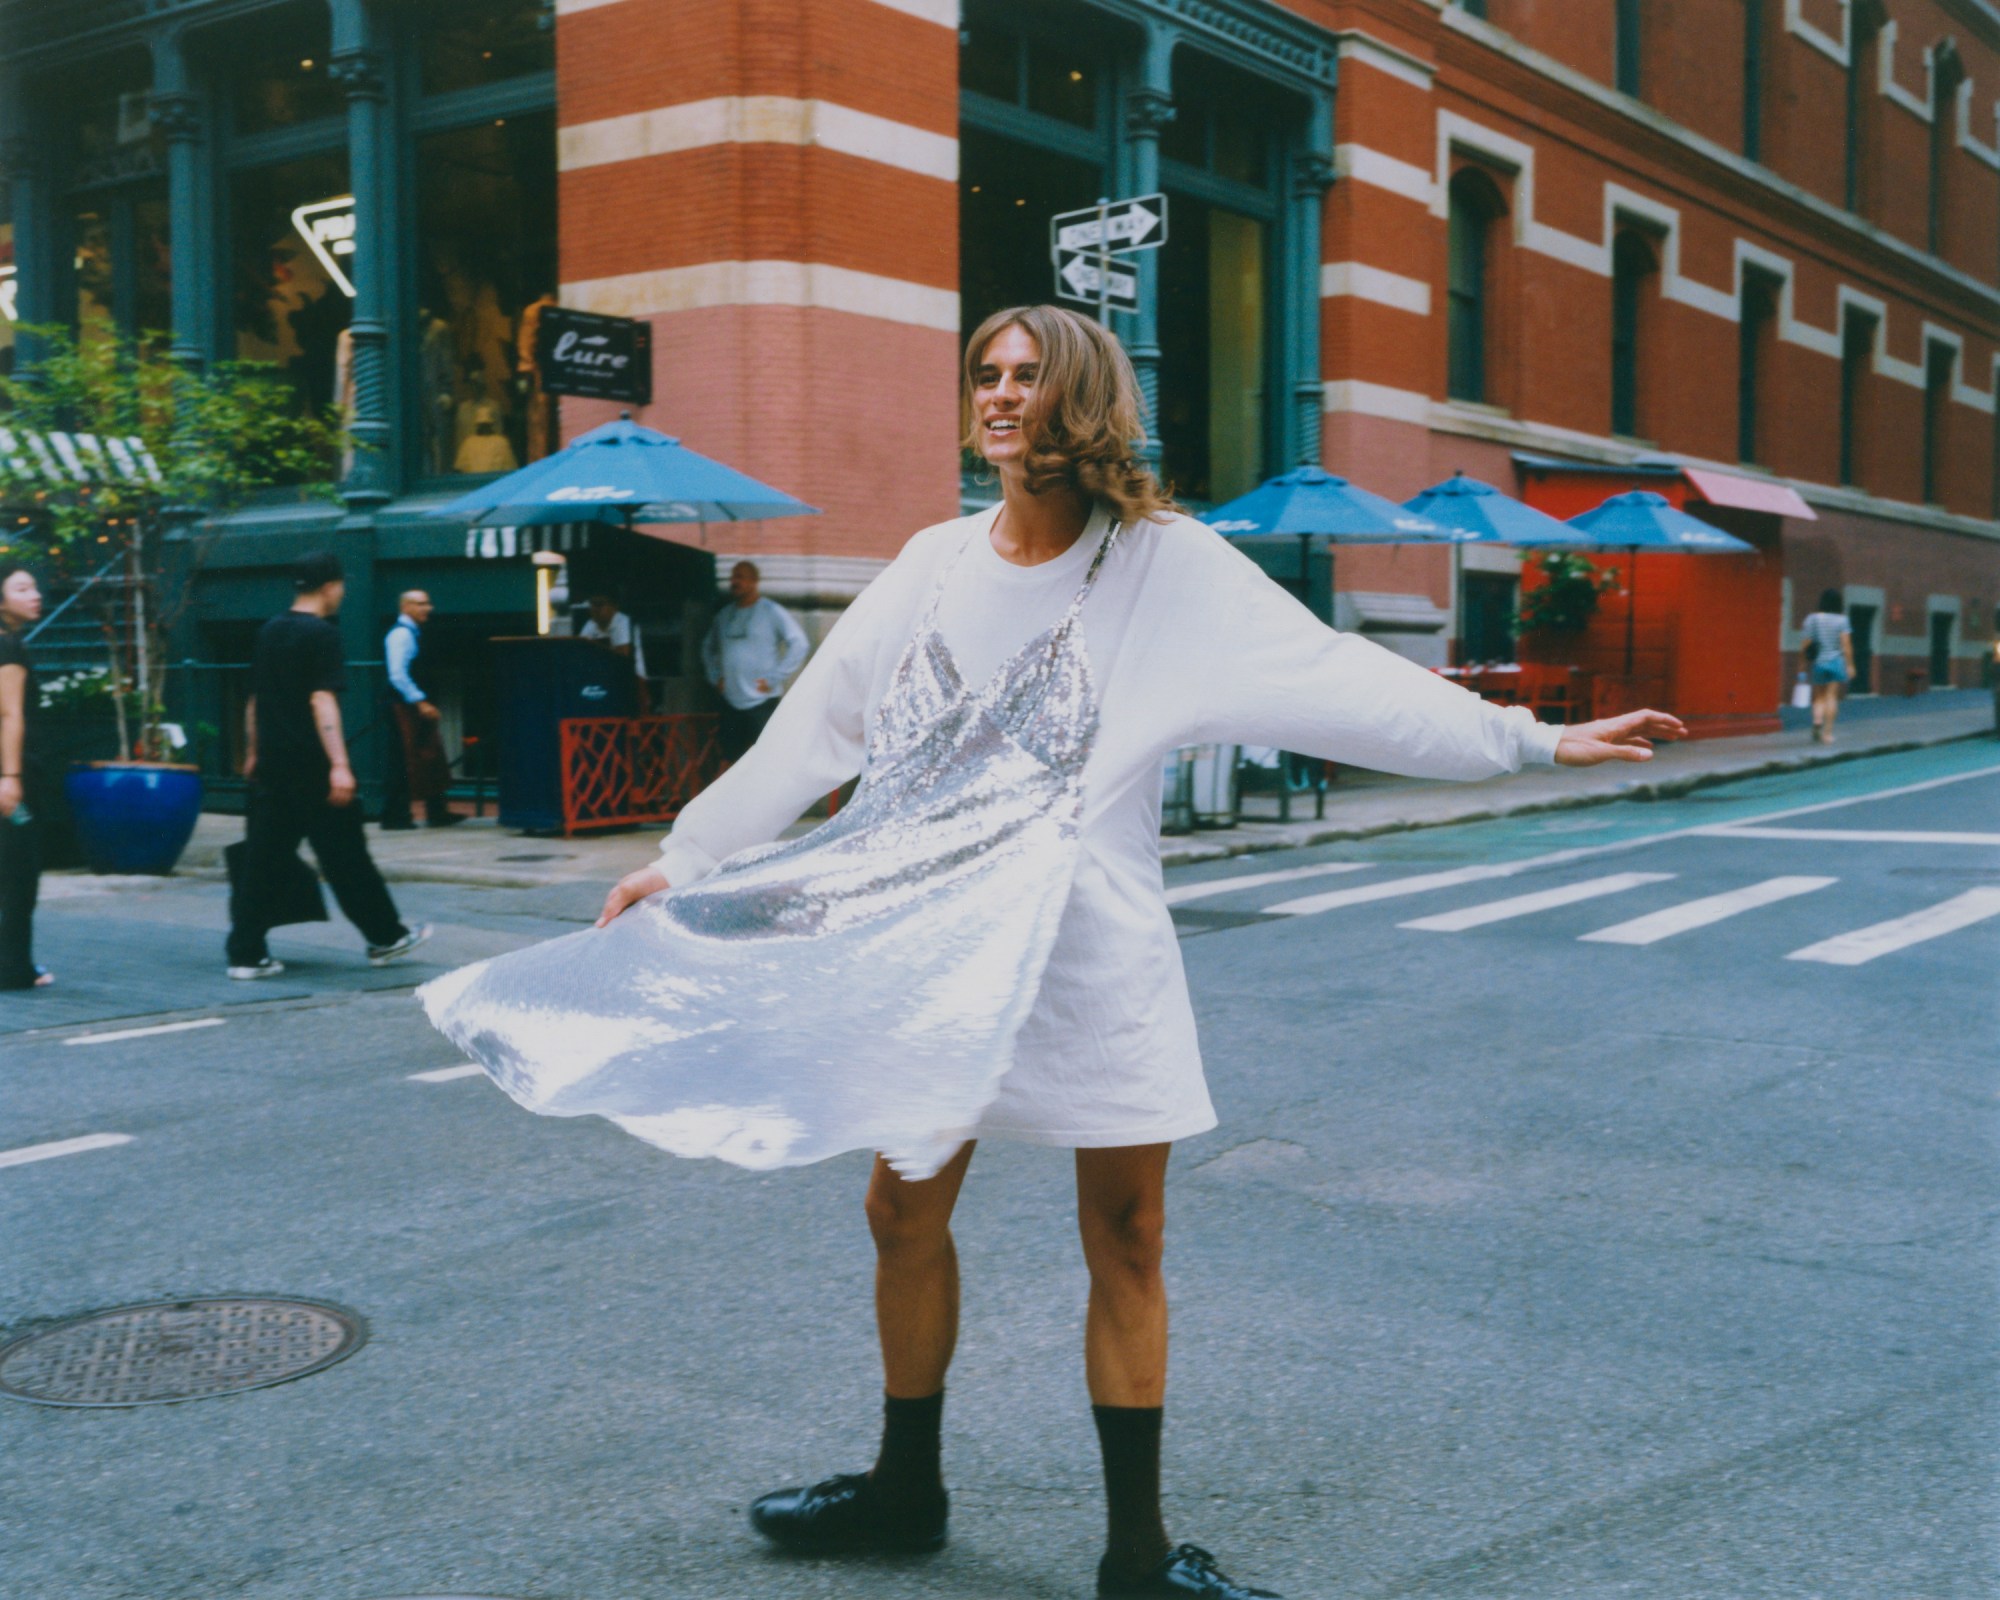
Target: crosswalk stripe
[
  {"x": 1657, "y": 925},
  {"x": 145, "y": 1033},
  {"x": 1522, "y": 905},
  {"x": 1306, "y": 905},
  {"x": 1881, "y": 938},
  {"x": 1853, "y": 835},
  {"x": 470, "y": 1069},
  {"x": 21, "y": 1156},
  {"x": 1180, "y": 894}
]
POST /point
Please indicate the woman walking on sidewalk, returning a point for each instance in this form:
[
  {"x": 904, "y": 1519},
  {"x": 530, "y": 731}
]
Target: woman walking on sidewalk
[
  {"x": 1826, "y": 650},
  {"x": 23, "y": 785},
  {"x": 977, "y": 945}
]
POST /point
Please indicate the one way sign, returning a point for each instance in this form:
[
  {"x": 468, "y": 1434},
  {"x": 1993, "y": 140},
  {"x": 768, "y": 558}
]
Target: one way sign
[
  {"x": 1137, "y": 224},
  {"x": 1097, "y": 280}
]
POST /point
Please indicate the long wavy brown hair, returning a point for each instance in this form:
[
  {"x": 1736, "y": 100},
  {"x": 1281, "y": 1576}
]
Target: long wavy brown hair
[{"x": 1083, "y": 426}]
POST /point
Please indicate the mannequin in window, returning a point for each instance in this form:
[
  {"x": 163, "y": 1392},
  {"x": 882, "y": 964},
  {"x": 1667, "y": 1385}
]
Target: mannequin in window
[{"x": 486, "y": 448}]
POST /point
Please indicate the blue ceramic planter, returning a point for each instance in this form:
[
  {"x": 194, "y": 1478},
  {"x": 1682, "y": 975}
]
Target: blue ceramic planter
[{"x": 133, "y": 817}]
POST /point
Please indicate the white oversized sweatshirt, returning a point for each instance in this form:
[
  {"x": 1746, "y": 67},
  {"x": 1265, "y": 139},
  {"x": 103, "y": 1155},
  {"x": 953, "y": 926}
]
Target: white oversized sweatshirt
[{"x": 1189, "y": 643}]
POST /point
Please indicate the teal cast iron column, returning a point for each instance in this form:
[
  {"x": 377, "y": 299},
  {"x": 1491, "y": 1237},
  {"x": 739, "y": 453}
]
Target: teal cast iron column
[
  {"x": 1148, "y": 108},
  {"x": 359, "y": 66},
  {"x": 1311, "y": 175},
  {"x": 25, "y": 161},
  {"x": 178, "y": 111}
]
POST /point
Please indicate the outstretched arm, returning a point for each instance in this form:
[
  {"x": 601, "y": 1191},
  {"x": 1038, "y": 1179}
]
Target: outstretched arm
[{"x": 1626, "y": 738}]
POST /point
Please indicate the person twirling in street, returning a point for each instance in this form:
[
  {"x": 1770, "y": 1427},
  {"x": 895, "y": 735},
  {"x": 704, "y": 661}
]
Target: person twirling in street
[
  {"x": 977, "y": 945},
  {"x": 24, "y": 786},
  {"x": 301, "y": 785}
]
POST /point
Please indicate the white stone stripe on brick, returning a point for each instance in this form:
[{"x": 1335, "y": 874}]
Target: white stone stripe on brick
[
  {"x": 766, "y": 283},
  {"x": 1380, "y": 170},
  {"x": 1308, "y": 905},
  {"x": 757, "y": 119},
  {"x": 470, "y": 1069},
  {"x": 1524, "y": 905},
  {"x": 61, "y": 1147},
  {"x": 1702, "y": 913},
  {"x": 1338, "y": 278},
  {"x": 1375, "y": 400},
  {"x": 1857, "y": 835},
  {"x": 145, "y": 1033},
  {"x": 1884, "y": 938},
  {"x": 1182, "y": 893}
]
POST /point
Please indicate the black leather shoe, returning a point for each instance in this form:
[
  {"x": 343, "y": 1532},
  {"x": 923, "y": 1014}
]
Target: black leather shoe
[
  {"x": 844, "y": 1516},
  {"x": 1187, "y": 1572}
]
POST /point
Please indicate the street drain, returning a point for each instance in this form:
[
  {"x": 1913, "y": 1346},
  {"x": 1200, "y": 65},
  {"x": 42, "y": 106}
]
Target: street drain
[
  {"x": 556, "y": 856},
  {"x": 177, "y": 1350}
]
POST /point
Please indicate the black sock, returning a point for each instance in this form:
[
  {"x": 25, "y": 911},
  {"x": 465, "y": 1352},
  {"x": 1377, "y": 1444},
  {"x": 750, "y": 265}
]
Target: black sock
[
  {"x": 907, "y": 1468},
  {"x": 1130, "y": 1439}
]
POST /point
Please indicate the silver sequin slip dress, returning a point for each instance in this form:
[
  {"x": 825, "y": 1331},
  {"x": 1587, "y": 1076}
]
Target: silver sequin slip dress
[{"x": 859, "y": 987}]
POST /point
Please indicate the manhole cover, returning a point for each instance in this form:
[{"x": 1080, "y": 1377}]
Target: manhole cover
[{"x": 177, "y": 1350}]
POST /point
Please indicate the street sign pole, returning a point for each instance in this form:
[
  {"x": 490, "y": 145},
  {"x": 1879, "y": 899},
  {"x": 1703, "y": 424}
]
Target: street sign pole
[{"x": 1103, "y": 262}]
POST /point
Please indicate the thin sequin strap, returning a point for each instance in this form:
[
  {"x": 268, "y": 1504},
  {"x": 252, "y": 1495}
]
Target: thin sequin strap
[{"x": 1090, "y": 577}]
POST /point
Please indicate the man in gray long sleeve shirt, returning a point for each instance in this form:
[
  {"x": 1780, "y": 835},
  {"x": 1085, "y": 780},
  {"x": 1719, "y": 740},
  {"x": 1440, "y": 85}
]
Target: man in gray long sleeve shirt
[{"x": 752, "y": 647}]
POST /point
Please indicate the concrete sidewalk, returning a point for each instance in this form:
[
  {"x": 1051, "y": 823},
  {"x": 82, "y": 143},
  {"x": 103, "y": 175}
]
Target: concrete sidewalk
[{"x": 479, "y": 852}]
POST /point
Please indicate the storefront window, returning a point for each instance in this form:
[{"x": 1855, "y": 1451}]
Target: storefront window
[
  {"x": 1212, "y": 330},
  {"x": 292, "y": 296},
  {"x": 94, "y": 319},
  {"x": 9, "y": 309},
  {"x": 486, "y": 230},
  {"x": 276, "y": 62},
  {"x": 1007, "y": 193},
  {"x": 1058, "y": 80},
  {"x": 465, "y": 47},
  {"x": 121, "y": 263}
]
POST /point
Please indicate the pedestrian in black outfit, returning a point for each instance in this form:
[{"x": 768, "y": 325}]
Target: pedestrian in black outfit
[
  {"x": 24, "y": 789},
  {"x": 301, "y": 786}
]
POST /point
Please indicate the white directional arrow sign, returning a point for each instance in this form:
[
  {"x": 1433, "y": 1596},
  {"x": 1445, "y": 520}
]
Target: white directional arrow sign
[
  {"x": 1083, "y": 278},
  {"x": 1136, "y": 224}
]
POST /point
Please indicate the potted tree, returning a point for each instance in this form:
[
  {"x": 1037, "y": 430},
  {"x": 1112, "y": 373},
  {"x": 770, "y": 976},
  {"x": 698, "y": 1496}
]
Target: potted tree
[
  {"x": 115, "y": 463},
  {"x": 1559, "y": 604}
]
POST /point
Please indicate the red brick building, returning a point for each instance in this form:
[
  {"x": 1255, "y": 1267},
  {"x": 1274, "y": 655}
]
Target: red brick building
[{"x": 1758, "y": 236}]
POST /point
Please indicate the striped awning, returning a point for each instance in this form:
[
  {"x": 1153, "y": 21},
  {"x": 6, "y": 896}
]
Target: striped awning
[
  {"x": 59, "y": 459},
  {"x": 496, "y": 544}
]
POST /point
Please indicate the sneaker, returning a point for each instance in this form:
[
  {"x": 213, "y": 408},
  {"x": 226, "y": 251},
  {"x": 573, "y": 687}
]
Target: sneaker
[
  {"x": 267, "y": 968},
  {"x": 380, "y": 955}
]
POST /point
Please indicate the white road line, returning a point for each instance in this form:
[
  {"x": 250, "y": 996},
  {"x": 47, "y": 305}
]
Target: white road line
[
  {"x": 1308, "y": 904},
  {"x": 1522, "y": 905},
  {"x": 1853, "y": 835},
  {"x": 1658, "y": 925},
  {"x": 1857, "y": 799},
  {"x": 1865, "y": 944},
  {"x": 1256, "y": 880},
  {"x": 145, "y": 1033},
  {"x": 61, "y": 1147},
  {"x": 471, "y": 1069}
]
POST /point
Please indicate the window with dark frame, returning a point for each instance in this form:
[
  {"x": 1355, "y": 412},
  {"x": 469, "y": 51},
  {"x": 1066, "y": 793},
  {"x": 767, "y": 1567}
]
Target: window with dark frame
[
  {"x": 1857, "y": 359},
  {"x": 1947, "y": 72},
  {"x": 1863, "y": 27},
  {"x": 1753, "y": 80},
  {"x": 1632, "y": 269},
  {"x": 1628, "y": 19},
  {"x": 1476, "y": 203},
  {"x": 1939, "y": 360},
  {"x": 1755, "y": 335}
]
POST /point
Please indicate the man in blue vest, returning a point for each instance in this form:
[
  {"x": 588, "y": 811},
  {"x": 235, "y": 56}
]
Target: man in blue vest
[{"x": 417, "y": 768}]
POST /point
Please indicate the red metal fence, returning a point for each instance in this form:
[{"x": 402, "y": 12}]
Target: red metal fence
[{"x": 622, "y": 770}]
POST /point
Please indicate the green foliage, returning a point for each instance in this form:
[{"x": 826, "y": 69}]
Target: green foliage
[
  {"x": 1566, "y": 598},
  {"x": 215, "y": 437}
]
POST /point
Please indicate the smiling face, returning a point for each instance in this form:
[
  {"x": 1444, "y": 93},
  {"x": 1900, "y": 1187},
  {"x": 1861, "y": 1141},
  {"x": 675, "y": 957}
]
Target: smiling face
[
  {"x": 20, "y": 600},
  {"x": 1002, "y": 385}
]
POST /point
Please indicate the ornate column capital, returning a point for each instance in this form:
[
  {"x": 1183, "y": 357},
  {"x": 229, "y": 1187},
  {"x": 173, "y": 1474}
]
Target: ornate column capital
[
  {"x": 1312, "y": 174},
  {"x": 1147, "y": 112},
  {"x": 177, "y": 114},
  {"x": 362, "y": 72}
]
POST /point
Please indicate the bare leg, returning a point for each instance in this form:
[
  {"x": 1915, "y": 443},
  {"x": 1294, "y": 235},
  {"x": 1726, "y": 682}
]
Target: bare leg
[
  {"x": 916, "y": 1275},
  {"x": 1121, "y": 1205}
]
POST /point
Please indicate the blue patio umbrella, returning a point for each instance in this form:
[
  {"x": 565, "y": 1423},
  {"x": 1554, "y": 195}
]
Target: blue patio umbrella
[
  {"x": 1487, "y": 516},
  {"x": 1311, "y": 503},
  {"x": 620, "y": 474},
  {"x": 1641, "y": 521}
]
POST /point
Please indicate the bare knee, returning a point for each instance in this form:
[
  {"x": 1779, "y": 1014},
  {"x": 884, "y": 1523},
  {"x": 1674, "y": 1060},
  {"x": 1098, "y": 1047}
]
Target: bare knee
[
  {"x": 905, "y": 1228},
  {"x": 1123, "y": 1242}
]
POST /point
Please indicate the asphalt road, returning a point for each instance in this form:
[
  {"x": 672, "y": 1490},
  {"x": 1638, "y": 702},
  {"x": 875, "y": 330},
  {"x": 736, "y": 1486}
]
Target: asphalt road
[{"x": 1527, "y": 1262}]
